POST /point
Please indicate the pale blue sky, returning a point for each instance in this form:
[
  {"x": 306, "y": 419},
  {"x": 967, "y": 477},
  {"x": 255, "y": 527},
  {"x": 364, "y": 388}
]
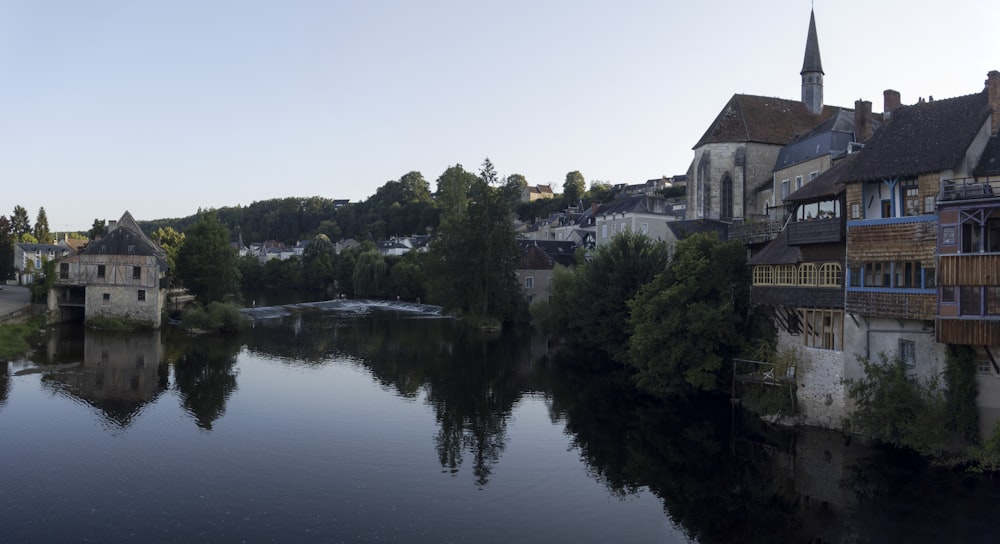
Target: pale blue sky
[{"x": 164, "y": 107}]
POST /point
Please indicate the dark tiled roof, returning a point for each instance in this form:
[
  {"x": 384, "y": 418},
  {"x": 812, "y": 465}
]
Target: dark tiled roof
[
  {"x": 989, "y": 163},
  {"x": 827, "y": 184},
  {"x": 922, "y": 138},
  {"x": 554, "y": 252},
  {"x": 749, "y": 118},
  {"x": 777, "y": 252},
  {"x": 832, "y": 136},
  {"x": 126, "y": 239},
  {"x": 683, "y": 229}
]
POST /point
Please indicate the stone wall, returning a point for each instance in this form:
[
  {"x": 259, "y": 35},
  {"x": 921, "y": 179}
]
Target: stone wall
[{"x": 820, "y": 386}]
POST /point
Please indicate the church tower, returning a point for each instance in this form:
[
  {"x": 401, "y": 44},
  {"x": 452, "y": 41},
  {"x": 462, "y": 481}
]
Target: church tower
[{"x": 812, "y": 71}]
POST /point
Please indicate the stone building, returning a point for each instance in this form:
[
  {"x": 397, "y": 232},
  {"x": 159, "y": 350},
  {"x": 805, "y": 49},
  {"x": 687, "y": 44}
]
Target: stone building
[{"x": 121, "y": 275}]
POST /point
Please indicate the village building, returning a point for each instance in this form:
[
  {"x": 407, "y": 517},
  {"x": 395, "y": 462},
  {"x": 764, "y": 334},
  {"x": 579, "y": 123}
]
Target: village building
[
  {"x": 531, "y": 193},
  {"x": 537, "y": 265},
  {"x": 122, "y": 275},
  {"x": 29, "y": 258}
]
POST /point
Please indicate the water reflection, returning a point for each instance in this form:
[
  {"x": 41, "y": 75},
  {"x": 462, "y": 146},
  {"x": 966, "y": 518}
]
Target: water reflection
[
  {"x": 204, "y": 375},
  {"x": 120, "y": 373},
  {"x": 4, "y": 383}
]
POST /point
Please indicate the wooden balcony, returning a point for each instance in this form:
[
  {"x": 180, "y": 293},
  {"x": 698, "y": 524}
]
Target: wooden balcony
[
  {"x": 818, "y": 231},
  {"x": 797, "y": 296},
  {"x": 968, "y": 189},
  {"x": 757, "y": 232},
  {"x": 969, "y": 269},
  {"x": 888, "y": 304},
  {"x": 968, "y": 332}
]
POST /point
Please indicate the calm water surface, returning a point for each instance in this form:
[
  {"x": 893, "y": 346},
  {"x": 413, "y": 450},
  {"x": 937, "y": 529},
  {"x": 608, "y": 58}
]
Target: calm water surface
[{"x": 390, "y": 426}]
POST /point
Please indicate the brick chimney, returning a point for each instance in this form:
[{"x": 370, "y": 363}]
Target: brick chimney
[
  {"x": 891, "y": 101},
  {"x": 993, "y": 92},
  {"x": 862, "y": 120}
]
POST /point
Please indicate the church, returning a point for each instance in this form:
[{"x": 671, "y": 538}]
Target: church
[{"x": 732, "y": 175}]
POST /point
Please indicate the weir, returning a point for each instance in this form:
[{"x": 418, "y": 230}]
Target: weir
[{"x": 344, "y": 306}]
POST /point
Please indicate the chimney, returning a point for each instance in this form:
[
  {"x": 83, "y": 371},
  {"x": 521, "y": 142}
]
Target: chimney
[
  {"x": 891, "y": 99},
  {"x": 993, "y": 92},
  {"x": 862, "y": 120}
]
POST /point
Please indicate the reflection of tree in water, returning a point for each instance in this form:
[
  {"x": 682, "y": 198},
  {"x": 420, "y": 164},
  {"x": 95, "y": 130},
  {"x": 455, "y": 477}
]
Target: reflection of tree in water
[
  {"x": 682, "y": 453},
  {"x": 471, "y": 380},
  {"x": 204, "y": 375},
  {"x": 4, "y": 383}
]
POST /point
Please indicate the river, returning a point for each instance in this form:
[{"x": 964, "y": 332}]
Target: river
[{"x": 390, "y": 424}]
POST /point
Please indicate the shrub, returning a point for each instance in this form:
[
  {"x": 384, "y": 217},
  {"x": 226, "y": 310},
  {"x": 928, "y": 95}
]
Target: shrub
[{"x": 216, "y": 317}]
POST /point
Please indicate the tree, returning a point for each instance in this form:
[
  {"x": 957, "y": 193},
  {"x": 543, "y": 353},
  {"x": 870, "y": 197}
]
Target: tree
[
  {"x": 517, "y": 179},
  {"x": 573, "y": 187},
  {"x": 20, "y": 224},
  {"x": 171, "y": 241},
  {"x": 473, "y": 259},
  {"x": 692, "y": 319},
  {"x": 369, "y": 274},
  {"x": 6, "y": 249},
  {"x": 42, "y": 232},
  {"x": 98, "y": 229},
  {"x": 589, "y": 303},
  {"x": 415, "y": 187},
  {"x": 453, "y": 193},
  {"x": 317, "y": 262},
  {"x": 206, "y": 262},
  {"x": 600, "y": 191}
]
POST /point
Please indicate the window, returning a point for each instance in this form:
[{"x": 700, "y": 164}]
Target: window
[
  {"x": 830, "y": 275},
  {"x": 812, "y": 175},
  {"x": 855, "y": 210},
  {"x": 948, "y": 235},
  {"x": 38, "y": 263},
  {"x": 100, "y": 271},
  {"x": 807, "y": 274},
  {"x": 992, "y": 300},
  {"x": 930, "y": 278},
  {"x": 907, "y": 275},
  {"x": 823, "y": 329},
  {"x": 142, "y": 295},
  {"x": 726, "y": 200},
  {"x": 948, "y": 294},
  {"x": 908, "y": 353},
  {"x": 136, "y": 272},
  {"x": 874, "y": 276},
  {"x": 983, "y": 366},
  {"x": 529, "y": 282},
  {"x": 855, "y": 273},
  {"x": 64, "y": 271},
  {"x": 798, "y": 182},
  {"x": 785, "y": 274},
  {"x": 763, "y": 275},
  {"x": 644, "y": 228},
  {"x": 929, "y": 202},
  {"x": 971, "y": 300},
  {"x": 106, "y": 298},
  {"x": 912, "y": 203},
  {"x": 604, "y": 230},
  {"x": 784, "y": 189}
]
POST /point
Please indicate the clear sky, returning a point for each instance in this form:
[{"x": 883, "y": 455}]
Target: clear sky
[{"x": 162, "y": 107}]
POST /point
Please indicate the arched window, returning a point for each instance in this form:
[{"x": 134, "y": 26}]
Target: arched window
[
  {"x": 807, "y": 274},
  {"x": 830, "y": 275},
  {"x": 726, "y": 201},
  {"x": 785, "y": 274},
  {"x": 763, "y": 275}
]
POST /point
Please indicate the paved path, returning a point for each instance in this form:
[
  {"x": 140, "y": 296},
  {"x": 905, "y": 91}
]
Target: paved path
[{"x": 12, "y": 299}]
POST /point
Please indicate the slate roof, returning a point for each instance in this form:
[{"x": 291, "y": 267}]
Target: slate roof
[
  {"x": 762, "y": 119},
  {"x": 989, "y": 163},
  {"x": 832, "y": 136},
  {"x": 126, "y": 239},
  {"x": 543, "y": 254},
  {"x": 779, "y": 252},
  {"x": 922, "y": 138},
  {"x": 683, "y": 229},
  {"x": 829, "y": 183},
  {"x": 811, "y": 61}
]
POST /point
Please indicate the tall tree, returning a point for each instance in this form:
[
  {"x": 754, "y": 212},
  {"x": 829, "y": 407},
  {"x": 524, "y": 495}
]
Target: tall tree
[
  {"x": 453, "y": 193},
  {"x": 20, "y": 224},
  {"x": 6, "y": 249},
  {"x": 317, "y": 262},
  {"x": 475, "y": 255},
  {"x": 692, "y": 318},
  {"x": 42, "y": 232},
  {"x": 415, "y": 187},
  {"x": 573, "y": 187},
  {"x": 206, "y": 262},
  {"x": 369, "y": 274}
]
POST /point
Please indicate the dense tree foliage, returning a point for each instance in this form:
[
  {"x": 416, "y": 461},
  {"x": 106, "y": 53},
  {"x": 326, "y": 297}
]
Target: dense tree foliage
[
  {"x": 317, "y": 262},
  {"x": 589, "y": 303},
  {"x": 206, "y": 262},
  {"x": 98, "y": 229},
  {"x": 574, "y": 186},
  {"x": 19, "y": 222},
  {"x": 171, "y": 241},
  {"x": 41, "y": 230},
  {"x": 473, "y": 259},
  {"x": 6, "y": 249},
  {"x": 691, "y": 319},
  {"x": 369, "y": 274}
]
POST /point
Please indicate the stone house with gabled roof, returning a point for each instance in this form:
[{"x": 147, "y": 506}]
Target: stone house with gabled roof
[
  {"x": 537, "y": 263},
  {"x": 120, "y": 275}
]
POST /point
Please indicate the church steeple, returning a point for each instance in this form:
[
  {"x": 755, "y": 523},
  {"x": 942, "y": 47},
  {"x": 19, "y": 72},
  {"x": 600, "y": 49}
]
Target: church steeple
[{"x": 812, "y": 70}]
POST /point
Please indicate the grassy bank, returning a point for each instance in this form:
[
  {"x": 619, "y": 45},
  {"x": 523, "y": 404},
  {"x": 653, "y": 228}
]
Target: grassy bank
[{"x": 14, "y": 337}]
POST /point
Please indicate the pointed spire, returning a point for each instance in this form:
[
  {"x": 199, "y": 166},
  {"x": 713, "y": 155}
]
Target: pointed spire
[
  {"x": 812, "y": 62},
  {"x": 812, "y": 71}
]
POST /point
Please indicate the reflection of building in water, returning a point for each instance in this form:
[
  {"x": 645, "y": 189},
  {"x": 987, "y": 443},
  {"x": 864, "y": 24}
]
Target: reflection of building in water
[
  {"x": 120, "y": 374},
  {"x": 4, "y": 384}
]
